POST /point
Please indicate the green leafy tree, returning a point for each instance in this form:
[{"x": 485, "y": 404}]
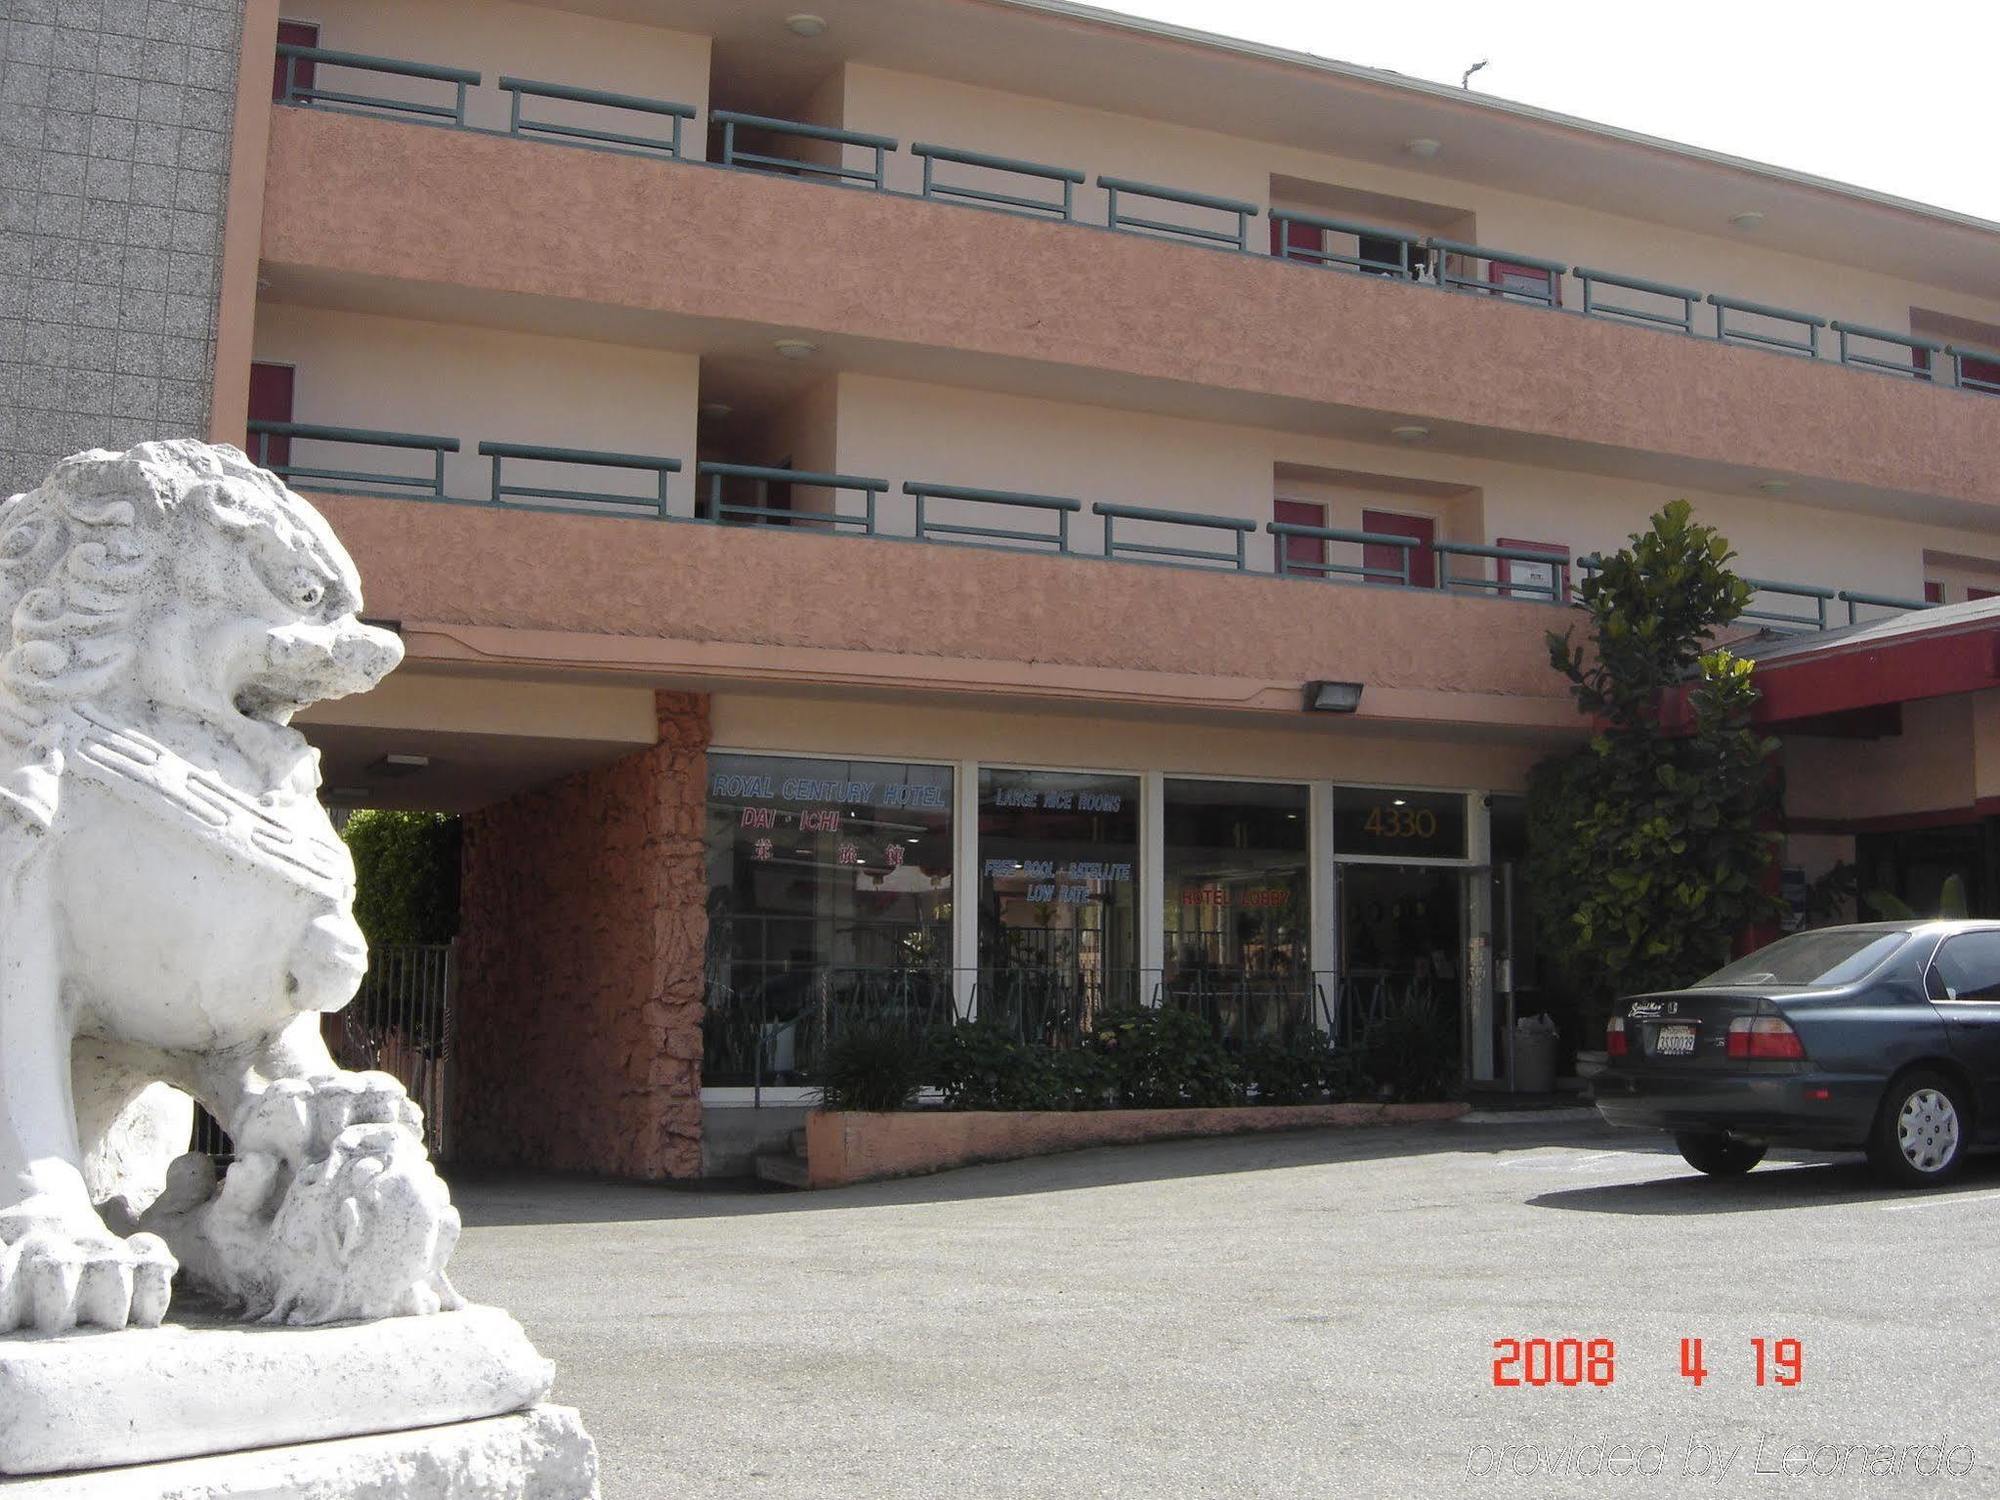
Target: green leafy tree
[
  {"x": 1649, "y": 846},
  {"x": 405, "y": 875}
]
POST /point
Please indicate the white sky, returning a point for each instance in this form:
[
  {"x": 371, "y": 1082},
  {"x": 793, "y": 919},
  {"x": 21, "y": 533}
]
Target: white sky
[{"x": 1902, "y": 97}]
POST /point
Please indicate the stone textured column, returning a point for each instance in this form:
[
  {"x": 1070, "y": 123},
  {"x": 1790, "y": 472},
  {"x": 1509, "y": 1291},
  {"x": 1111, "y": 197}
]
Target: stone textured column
[
  {"x": 581, "y": 947},
  {"x": 115, "y": 118}
]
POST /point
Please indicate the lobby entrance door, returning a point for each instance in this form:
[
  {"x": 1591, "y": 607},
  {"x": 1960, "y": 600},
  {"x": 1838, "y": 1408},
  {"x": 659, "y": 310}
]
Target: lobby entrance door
[{"x": 1404, "y": 940}]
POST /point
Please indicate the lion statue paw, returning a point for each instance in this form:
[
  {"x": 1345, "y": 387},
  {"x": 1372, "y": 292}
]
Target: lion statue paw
[
  {"x": 330, "y": 1212},
  {"x": 57, "y": 1274}
]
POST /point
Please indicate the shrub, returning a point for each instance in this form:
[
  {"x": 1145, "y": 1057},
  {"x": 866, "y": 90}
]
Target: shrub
[
  {"x": 1411, "y": 1051},
  {"x": 984, "y": 1065},
  {"x": 405, "y": 875},
  {"x": 1163, "y": 1059},
  {"x": 874, "y": 1066},
  {"x": 1302, "y": 1067}
]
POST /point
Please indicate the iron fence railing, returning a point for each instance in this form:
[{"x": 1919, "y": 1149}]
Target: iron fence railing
[
  {"x": 1130, "y": 533},
  {"x": 1380, "y": 250},
  {"x": 402, "y": 1021},
  {"x": 520, "y": 90},
  {"x": 772, "y": 1032}
]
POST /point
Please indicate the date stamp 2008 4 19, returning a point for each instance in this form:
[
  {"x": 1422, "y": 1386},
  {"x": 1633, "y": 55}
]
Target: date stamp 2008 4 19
[{"x": 1541, "y": 1362}]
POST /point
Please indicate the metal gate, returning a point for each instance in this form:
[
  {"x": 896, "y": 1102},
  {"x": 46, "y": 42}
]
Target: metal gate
[{"x": 401, "y": 1022}]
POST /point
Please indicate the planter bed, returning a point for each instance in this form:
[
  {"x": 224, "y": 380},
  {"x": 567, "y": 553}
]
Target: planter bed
[{"x": 843, "y": 1147}]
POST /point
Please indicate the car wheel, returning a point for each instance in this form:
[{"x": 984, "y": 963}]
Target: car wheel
[
  {"x": 1922, "y": 1130},
  {"x": 1719, "y": 1155}
]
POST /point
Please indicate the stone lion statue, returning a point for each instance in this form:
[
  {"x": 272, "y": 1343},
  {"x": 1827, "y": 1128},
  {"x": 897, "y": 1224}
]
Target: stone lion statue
[{"x": 176, "y": 910}]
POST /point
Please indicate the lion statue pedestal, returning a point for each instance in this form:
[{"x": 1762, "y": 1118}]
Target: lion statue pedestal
[{"x": 176, "y": 913}]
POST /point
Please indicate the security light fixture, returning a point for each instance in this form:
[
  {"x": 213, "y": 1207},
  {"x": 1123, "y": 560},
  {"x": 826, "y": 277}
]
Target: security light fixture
[
  {"x": 806, "y": 25},
  {"x": 795, "y": 348},
  {"x": 1332, "y": 697}
]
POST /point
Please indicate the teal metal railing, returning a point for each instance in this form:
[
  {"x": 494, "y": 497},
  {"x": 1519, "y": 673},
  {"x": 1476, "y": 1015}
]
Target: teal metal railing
[
  {"x": 1855, "y": 601},
  {"x": 1808, "y": 346},
  {"x": 1424, "y": 260},
  {"x": 1547, "y": 292},
  {"x": 297, "y": 64},
  {"x": 1596, "y": 307},
  {"x": 264, "y": 435},
  {"x": 1065, "y": 179},
  {"x": 503, "y": 493},
  {"x": 1506, "y": 586},
  {"x": 1237, "y": 528},
  {"x": 734, "y": 154},
  {"x": 1325, "y": 567},
  {"x": 1407, "y": 247},
  {"x": 522, "y": 89},
  {"x": 1116, "y": 218},
  {"x": 928, "y": 528},
  {"x": 1855, "y": 352},
  {"x": 721, "y": 509},
  {"x": 1967, "y": 381},
  {"x": 1817, "y": 600}
]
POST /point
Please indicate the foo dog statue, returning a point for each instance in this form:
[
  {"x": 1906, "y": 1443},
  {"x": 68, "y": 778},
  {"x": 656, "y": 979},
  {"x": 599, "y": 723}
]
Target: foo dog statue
[{"x": 176, "y": 908}]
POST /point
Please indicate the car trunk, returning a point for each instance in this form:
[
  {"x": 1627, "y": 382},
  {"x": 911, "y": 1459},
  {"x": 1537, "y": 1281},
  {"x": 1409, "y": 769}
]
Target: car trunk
[{"x": 1688, "y": 1029}]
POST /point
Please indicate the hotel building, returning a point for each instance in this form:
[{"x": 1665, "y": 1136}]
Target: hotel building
[{"x": 991, "y": 506}]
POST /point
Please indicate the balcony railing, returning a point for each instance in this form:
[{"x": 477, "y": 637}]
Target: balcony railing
[
  {"x": 1381, "y": 251},
  {"x": 1170, "y": 538}
]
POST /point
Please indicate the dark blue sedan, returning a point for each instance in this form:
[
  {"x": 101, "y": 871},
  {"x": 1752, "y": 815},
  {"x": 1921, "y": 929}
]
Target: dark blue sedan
[{"x": 1882, "y": 1037}]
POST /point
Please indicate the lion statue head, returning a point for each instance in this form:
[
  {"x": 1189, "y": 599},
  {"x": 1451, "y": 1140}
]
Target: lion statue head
[{"x": 178, "y": 584}]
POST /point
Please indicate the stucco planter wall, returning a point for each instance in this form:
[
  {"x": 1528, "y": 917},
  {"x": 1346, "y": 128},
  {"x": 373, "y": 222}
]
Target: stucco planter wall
[{"x": 844, "y": 1147}]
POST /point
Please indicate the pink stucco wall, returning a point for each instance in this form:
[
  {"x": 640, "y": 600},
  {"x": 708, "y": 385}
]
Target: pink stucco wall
[
  {"x": 843, "y": 1147},
  {"x": 376, "y": 198},
  {"x": 941, "y": 615},
  {"x": 580, "y": 1003}
]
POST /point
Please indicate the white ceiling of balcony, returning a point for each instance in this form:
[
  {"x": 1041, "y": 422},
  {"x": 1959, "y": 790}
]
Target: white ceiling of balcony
[{"x": 1055, "y": 50}]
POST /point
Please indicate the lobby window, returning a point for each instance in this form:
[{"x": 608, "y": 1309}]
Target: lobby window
[
  {"x": 829, "y": 890},
  {"x": 1237, "y": 906},
  {"x": 1058, "y": 896}
]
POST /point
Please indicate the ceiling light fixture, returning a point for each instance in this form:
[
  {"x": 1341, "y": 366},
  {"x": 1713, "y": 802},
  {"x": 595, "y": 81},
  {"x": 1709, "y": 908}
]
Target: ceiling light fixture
[
  {"x": 806, "y": 25},
  {"x": 1749, "y": 219},
  {"x": 795, "y": 348},
  {"x": 1774, "y": 486},
  {"x": 1423, "y": 146},
  {"x": 715, "y": 411},
  {"x": 1332, "y": 697},
  {"x": 1410, "y": 433}
]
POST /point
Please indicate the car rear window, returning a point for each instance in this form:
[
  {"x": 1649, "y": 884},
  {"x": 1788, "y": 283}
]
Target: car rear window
[{"x": 1810, "y": 960}]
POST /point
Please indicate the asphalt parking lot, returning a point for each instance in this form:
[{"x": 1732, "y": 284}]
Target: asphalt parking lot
[{"x": 1301, "y": 1315}]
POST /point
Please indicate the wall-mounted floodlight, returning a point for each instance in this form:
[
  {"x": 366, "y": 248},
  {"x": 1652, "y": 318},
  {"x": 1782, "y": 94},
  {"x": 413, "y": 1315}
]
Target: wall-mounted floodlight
[{"x": 1332, "y": 697}]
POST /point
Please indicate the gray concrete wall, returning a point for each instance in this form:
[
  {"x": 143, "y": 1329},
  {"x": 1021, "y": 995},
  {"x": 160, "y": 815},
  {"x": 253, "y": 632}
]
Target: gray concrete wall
[{"x": 114, "y": 164}]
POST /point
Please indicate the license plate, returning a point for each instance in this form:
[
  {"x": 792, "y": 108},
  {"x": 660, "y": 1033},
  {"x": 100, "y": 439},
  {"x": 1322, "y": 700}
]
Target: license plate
[{"x": 1673, "y": 1041}]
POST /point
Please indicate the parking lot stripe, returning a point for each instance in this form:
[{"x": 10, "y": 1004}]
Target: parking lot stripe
[{"x": 1897, "y": 1208}]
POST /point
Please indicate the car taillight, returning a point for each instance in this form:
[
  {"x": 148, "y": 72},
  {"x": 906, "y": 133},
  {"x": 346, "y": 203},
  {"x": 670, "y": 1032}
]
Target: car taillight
[
  {"x": 1614, "y": 1037},
  {"x": 1764, "y": 1036}
]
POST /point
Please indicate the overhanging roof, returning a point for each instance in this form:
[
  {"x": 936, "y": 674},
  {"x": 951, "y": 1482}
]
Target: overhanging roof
[{"x": 1930, "y": 653}]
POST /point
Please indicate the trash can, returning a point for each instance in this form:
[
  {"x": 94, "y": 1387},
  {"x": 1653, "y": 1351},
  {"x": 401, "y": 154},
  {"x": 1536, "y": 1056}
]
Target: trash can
[{"x": 1535, "y": 1041}]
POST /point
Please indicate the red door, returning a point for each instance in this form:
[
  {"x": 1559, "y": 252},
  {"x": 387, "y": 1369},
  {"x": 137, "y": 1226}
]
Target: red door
[
  {"x": 294, "y": 34},
  {"x": 1421, "y": 529},
  {"x": 1305, "y": 556},
  {"x": 271, "y": 401},
  {"x": 1287, "y": 235}
]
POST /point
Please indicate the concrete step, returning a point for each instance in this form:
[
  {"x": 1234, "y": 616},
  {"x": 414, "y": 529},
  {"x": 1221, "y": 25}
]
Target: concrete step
[{"x": 788, "y": 1171}]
